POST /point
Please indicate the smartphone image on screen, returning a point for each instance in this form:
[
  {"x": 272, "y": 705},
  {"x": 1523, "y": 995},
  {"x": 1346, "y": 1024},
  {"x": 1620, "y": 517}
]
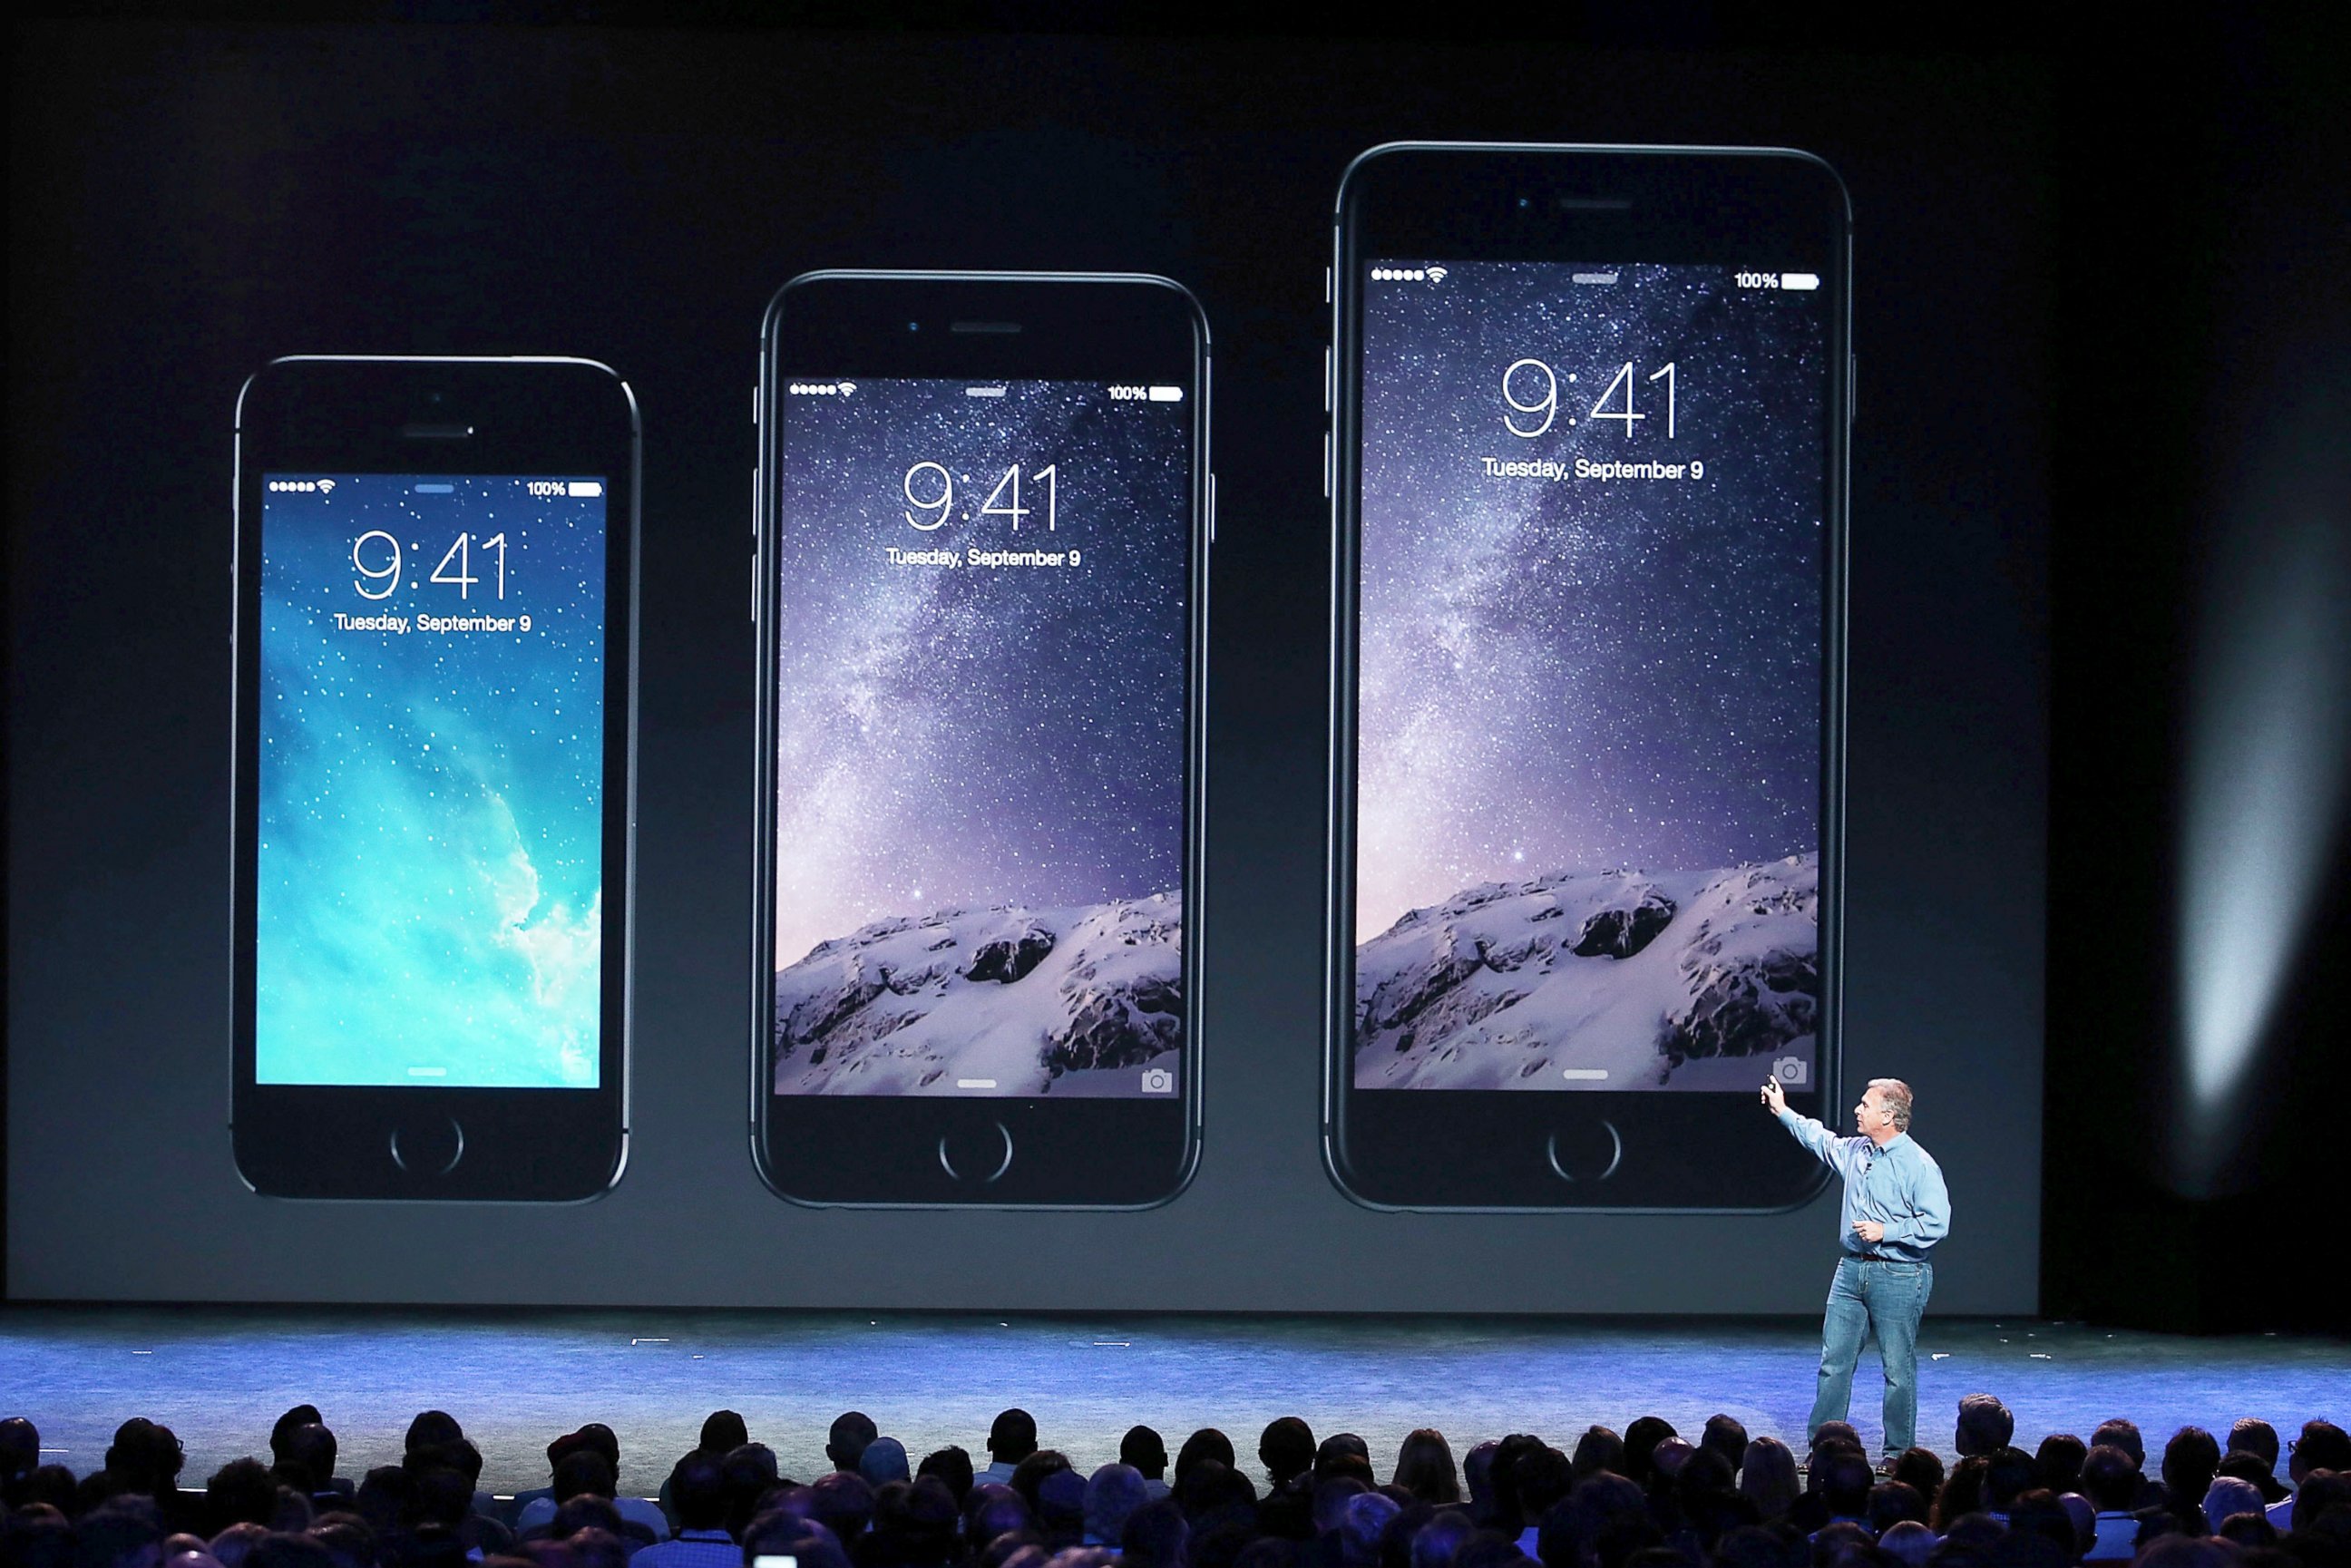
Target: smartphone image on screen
[
  {"x": 433, "y": 799},
  {"x": 980, "y": 587},
  {"x": 1590, "y": 409}
]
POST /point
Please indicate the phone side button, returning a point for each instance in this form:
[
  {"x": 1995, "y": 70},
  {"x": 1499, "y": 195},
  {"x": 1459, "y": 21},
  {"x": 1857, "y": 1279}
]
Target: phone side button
[
  {"x": 429, "y": 1147},
  {"x": 981, "y": 1155},
  {"x": 1585, "y": 1153},
  {"x": 1326, "y": 465}
]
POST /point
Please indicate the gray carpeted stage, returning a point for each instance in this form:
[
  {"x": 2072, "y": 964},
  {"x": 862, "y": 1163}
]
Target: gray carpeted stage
[{"x": 220, "y": 1376}]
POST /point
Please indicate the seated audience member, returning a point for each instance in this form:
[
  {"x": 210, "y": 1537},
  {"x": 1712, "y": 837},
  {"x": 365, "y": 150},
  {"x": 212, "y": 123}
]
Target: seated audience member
[
  {"x": 1339, "y": 1453},
  {"x": 1207, "y": 1443},
  {"x": 1891, "y": 1503},
  {"x": 1361, "y": 1524},
  {"x": 1030, "y": 1473},
  {"x": 1843, "y": 1478},
  {"x": 2057, "y": 1463},
  {"x": 2254, "y": 1435},
  {"x": 1984, "y": 1424},
  {"x": 2253, "y": 1467},
  {"x": 1921, "y": 1468},
  {"x": 1146, "y": 1451},
  {"x": 991, "y": 1509},
  {"x": 2038, "y": 1512},
  {"x": 2322, "y": 1446},
  {"x": 2323, "y": 1493},
  {"x": 1725, "y": 1435},
  {"x": 1768, "y": 1474},
  {"x": 1641, "y": 1440},
  {"x": 1602, "y": 1450},
  {"x": 305, "y": 1461},
  {"x": 2227, "y": 1497},
  {"x": 1439, "y": 1538},
  {"x": 882, "y": 1461},
  {"x": 1012, "y": 1438},
  {"x": 1961, "y": 1493},
  {"x": 1909, "y": 1542},
  {"x": 1112, "y": 1494},
  {"x": 2248, "y": 1531},
  {"x": 20, "y": 1456},
  {"x": 842, "y": 1503},
  {"x": 789, "y": 1535},
  {"x": 1061, "y": 1515},
  {"x": 2121, "y": 1433},
  {"x": 582, "y": 1471},
  {"x": 1425, "y": 1467},
  {"x": 2110, "y": 1481},
  {"x": 241, "y": 1491},
  {"x": 697, "y": 1492},
  {"x": 952, "y": 1467},
  {"x": 844, "y": 1445},
  {"x": 1540, "y": 1479},
  {"x": 750, "y": 1470},
  {"x": 2008, "y": 1475},
  {"x": 1156, "y": 1536},
  {"x": 430, "y": 1429},
  {"x": 2175, "y": 1551},
  {"x": 230, "y": 1547},
  {"x": 2189, "y": 1462},
  {"x": 1286, "y": 1450}
]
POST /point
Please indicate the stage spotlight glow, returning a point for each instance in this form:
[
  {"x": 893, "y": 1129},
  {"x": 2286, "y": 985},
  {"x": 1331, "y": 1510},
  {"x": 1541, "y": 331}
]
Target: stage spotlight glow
[{"x": 2269, "y": 739}]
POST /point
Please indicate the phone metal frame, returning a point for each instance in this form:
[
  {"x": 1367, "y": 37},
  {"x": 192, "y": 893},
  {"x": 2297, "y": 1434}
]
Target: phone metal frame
[
  {"x": 624, "y": 1099},
  {"x": 1201, "y": 525},
  {"x": 1342, "y": 475}
]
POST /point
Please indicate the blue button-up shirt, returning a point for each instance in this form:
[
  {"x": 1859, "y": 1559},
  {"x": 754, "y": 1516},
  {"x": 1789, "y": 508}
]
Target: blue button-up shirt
[{"x": 1899, "y": 1185}]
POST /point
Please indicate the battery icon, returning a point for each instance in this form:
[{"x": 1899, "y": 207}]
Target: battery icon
[
  {"x": 1800, "y": 280},
  {"x": 587, "y": 488},
  {"x": 1168, "y": 395}
]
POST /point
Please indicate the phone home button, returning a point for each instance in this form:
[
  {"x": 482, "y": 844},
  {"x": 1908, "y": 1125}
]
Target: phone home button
[
  {"x": 981, "y": 1154},
  {"x": 1585, "y": 1153},
  {"x": 429, "y": 1146}
]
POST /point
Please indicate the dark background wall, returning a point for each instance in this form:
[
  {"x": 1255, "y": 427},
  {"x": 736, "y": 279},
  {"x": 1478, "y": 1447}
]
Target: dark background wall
[{"x": 191, "y": 200}]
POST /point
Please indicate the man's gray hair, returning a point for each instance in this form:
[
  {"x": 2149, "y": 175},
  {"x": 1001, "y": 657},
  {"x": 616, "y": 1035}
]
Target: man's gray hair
[{"x": 1897, "y": 1095}]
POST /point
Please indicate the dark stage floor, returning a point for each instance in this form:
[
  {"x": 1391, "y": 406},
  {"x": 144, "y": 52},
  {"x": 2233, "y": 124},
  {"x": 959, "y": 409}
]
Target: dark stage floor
[{"x": 220, "y": 1376}]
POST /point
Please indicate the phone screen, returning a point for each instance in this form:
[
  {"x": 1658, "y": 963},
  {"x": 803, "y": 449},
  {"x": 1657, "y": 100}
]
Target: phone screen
[
  {"x": 429, "y": 895},
  {"x": 1590, "y": 741},
  {"x": 981, "y": 723}
]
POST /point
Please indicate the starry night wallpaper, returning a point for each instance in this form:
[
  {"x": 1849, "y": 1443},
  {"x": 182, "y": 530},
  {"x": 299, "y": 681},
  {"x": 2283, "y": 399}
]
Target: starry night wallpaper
[
  {"x": 979, "y": 811},
  {"x": 1589, "y": 776},
  {"x": 430, "y": 905}
]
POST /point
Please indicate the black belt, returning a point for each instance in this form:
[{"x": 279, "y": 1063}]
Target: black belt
[{"x": 1881, "y": 1258}]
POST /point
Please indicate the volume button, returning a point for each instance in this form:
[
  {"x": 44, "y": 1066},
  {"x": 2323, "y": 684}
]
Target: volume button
[
  {"x": 1326, "y": 465},
  {"x": 754, "y": 587},
  {"x": 755, "y": 503},
  {"x": 1326, "y": 378}
]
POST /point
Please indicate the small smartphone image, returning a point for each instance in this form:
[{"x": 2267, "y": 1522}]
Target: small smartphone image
[
  {"x": 980, "y": 589},
  {"x": 1590, "y": 409},
  {"x": 433, "y": 807}
]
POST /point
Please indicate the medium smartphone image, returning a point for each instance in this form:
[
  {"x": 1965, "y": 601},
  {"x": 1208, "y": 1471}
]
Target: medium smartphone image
[
  {"x": 435, "y": 588},
  {"x": 1590, "y": 410},
  {"x": 980, "y": 589}
]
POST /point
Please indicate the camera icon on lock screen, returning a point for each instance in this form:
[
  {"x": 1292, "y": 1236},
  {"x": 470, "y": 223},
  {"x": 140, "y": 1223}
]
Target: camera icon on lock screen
[
  {"x": 1791, "y": 1072},
  {"x": 1158, "y": 1081}
]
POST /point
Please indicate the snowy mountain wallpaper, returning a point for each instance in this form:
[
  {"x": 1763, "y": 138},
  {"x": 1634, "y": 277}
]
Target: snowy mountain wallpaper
[
  {"x": 429, "y": 899},
  {"x": 1588, "y": 789},
  {"x": 979, "y": 747}
]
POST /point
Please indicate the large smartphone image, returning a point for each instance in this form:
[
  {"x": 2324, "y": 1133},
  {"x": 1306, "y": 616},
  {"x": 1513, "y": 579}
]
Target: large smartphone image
[
  {"x": 1590, "y": 409},
  {"x": 980, "y": 587},
  {"x": 434, "y": 783}
]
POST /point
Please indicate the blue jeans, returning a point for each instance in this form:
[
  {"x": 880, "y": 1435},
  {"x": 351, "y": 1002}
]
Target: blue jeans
[{"x": 1885, "y": 1299}]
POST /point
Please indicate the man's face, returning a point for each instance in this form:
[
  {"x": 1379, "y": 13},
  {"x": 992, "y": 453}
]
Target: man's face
[{"x": 1871, "y": 1118}]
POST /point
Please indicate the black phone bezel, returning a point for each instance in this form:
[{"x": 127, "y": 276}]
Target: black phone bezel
[
  {"x": 1564, "y": 1150},
  {"x": 455, "y": 415},
  {"x": 884, "y": 1151}
]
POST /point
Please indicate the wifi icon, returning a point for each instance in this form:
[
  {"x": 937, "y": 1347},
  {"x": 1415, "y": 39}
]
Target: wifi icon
[
  {"x": 847, "y": 387},
  {"x": 1436, "y": 275},
  {"x": 326, "y": 487}
]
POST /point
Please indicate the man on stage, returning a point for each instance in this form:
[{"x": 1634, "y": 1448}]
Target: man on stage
[{"x": 1896, "y": 1209}]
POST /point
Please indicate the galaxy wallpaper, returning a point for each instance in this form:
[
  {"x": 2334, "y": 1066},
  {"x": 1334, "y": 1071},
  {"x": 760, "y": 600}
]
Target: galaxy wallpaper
[
  {"x": 431, "y": 778},
  {"x": 1590, "y": 674},
  {"x": 981, "y": 723}
]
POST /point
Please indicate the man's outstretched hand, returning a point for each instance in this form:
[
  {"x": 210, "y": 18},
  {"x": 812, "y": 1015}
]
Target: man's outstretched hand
[{"x": 1775, "y": 1099}]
